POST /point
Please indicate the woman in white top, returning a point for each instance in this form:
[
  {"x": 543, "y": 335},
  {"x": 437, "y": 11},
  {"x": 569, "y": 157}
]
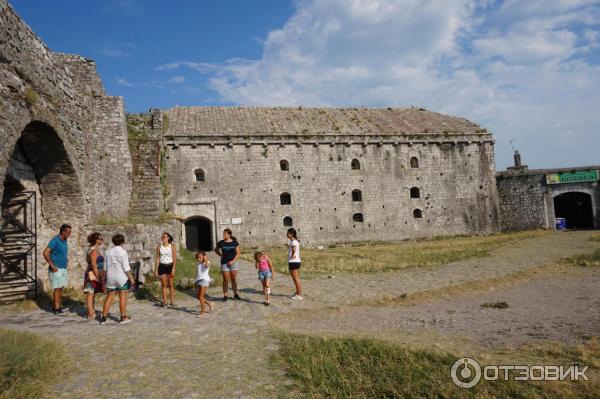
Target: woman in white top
[
  {"x": 165, "y": 262},
  {"x": 118, "y": 278},
  {"x": 294, "y": 261},
  {"x": 202, "y": 281}
]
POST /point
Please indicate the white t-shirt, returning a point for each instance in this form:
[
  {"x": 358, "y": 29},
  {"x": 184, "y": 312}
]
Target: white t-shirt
[
  {"x": 117, "y": 265},
  {"x": 294, "y": 244},
  {"x": 202, "y": 271}
]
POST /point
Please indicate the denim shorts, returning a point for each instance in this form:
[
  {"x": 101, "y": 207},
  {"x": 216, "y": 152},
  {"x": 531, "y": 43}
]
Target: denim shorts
[
  {"x": 202, "y": 283},
  {"x": 124, "y": 287},
  {"x": 58, "y": 279},
  {"x": 226, "y": 268},
  {"x": 265, "y": 275}
]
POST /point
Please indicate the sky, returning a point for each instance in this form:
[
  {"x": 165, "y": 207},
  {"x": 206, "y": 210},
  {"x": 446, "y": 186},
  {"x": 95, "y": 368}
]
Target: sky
[{"x": 527, "y": 70}]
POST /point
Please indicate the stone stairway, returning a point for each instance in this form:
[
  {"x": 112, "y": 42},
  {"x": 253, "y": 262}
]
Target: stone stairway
[{"x": 146, "y": 198}]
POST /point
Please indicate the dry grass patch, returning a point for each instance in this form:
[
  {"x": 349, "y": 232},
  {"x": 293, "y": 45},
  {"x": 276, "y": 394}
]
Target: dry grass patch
[
  {"x": 463, "y": 289},
  {"x": 380, "y": 257},
  {"x": 28, "y": 364},
  {"x": 369, "y": 368},
  {"x": 589, "y": 259}
]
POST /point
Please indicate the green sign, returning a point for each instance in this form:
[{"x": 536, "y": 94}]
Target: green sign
[{"x": 576, "y": 177}]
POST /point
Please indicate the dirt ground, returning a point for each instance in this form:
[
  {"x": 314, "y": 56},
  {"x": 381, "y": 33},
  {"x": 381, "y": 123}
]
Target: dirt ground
[{"x": 171, "y": 353}]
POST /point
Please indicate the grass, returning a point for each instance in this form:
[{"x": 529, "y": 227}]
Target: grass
[
  {"x": 369, "y": 368},
  {"x": 589, "y": 259},
  {"x": 380, "y": 257},
  {"x": 185, "y": 275},
  {"x": 29, "y": 362}
]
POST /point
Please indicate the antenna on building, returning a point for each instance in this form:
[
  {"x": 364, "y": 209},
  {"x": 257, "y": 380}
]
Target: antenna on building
[{"x": 517, "y": 158}]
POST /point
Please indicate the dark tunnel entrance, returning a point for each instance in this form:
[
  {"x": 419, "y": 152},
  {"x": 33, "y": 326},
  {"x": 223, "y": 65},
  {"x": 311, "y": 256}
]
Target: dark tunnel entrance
[
  {"x": 576, "y": 208},
  {"x": 198, "y": 234}
]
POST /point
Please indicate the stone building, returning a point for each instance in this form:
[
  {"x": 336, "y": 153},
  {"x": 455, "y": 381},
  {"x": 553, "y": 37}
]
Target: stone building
[
  {"x": 335, "y": 174},
  {"x": 534, "y": 198},
  {"x": 62, "y": 138}
]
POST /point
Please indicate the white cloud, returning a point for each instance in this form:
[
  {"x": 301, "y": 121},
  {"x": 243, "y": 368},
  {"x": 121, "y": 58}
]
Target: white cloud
[
  {"x": 176, "y": 79},
  {"x": 123, "y": 82},
  {"x": 524, "y": 70}
]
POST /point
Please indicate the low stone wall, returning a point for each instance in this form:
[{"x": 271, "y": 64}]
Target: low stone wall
[{"x": 140, "y": 240}]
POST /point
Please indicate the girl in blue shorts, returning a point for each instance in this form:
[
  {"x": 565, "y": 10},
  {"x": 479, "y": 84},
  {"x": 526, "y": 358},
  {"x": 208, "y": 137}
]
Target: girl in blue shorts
[
  {"x": 202, "y": 281},
  {"x": 265, "y": 273}
]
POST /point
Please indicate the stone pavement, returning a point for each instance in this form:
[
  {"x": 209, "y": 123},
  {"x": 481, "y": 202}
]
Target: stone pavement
[{"x": 168, "y": 352}]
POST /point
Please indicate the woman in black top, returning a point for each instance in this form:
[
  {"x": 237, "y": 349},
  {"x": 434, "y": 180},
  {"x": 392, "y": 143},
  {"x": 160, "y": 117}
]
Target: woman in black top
[{"x": 229, "y": 251}]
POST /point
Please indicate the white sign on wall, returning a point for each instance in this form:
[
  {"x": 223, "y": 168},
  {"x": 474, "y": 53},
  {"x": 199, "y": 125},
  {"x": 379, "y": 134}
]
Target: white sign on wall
[
  {"x": 236, "y": 220},
  {"x": 223, "y": 221}
]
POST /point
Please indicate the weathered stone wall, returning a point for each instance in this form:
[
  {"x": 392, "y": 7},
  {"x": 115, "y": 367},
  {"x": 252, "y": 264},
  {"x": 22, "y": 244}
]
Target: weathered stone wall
[
  {"x": 73, "y": 135},
  {"x": 140, "y": 239},
  {"x": 523, "y": 202},
  {"x": 244, "y": 180}
]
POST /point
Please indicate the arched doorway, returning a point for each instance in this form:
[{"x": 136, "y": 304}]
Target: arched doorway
[
  {"x": 40, "y": 162},
  {"x": 576, "y": 208},
  {"x": 41, "y": 190},
  {"x": 198, "y": 234}
]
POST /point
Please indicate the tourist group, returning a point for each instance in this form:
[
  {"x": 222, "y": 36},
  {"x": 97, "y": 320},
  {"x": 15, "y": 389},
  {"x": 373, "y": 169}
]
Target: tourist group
[{"x": 109, "y": 271}]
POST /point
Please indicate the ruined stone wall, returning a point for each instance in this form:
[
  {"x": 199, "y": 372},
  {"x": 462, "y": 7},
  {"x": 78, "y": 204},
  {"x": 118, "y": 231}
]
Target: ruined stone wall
[
  {"x": 75, "y": 134},
  {"x": 523, "y": 202},
  {"x": 244, "y": 181}
]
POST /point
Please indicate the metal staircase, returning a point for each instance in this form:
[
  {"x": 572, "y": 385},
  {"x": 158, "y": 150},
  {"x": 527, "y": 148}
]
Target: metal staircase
[{"x": 18, "y": 247}]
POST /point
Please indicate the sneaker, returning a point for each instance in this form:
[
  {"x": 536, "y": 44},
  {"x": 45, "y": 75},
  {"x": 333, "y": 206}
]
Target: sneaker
[
  {"x": 64, "y": 308},
  {"x": 60, "y": 311},
  {"x": 225, "y": 299},
  {"x": 103, "y": 320},
  {"x": 237, "y": 297},
  {"x": 125, "y": 319},
  {"x": 296, "y": 296}
]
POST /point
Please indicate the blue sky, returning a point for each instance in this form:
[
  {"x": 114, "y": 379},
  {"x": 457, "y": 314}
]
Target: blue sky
[{"x": 529, "y": 71}]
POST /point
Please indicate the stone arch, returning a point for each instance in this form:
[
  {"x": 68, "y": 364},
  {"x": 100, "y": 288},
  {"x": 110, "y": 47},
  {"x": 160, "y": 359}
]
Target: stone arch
[
  {"x": 41, "y": 152},
  {"x": 198, "y": 234},
  {"x": 576, "y": 207}
]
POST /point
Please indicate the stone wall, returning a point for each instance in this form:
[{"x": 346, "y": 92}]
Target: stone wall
[
  {"x": 73, "y": 135},
  {"x": 140, "y": 240},
  {"x": 244, "y": 181},
  {"x": 523, "y": 202}
]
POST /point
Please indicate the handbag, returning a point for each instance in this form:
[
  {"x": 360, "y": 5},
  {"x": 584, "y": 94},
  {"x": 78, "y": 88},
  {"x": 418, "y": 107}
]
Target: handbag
[{"x": 91, "y": 276}]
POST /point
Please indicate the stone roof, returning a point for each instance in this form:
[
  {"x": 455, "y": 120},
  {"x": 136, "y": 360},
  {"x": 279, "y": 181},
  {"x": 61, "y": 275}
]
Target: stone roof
[{"x": 301, "y": 121}]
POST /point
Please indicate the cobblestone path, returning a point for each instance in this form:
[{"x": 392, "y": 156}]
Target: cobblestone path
[{"x": 168, "y": 352}]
